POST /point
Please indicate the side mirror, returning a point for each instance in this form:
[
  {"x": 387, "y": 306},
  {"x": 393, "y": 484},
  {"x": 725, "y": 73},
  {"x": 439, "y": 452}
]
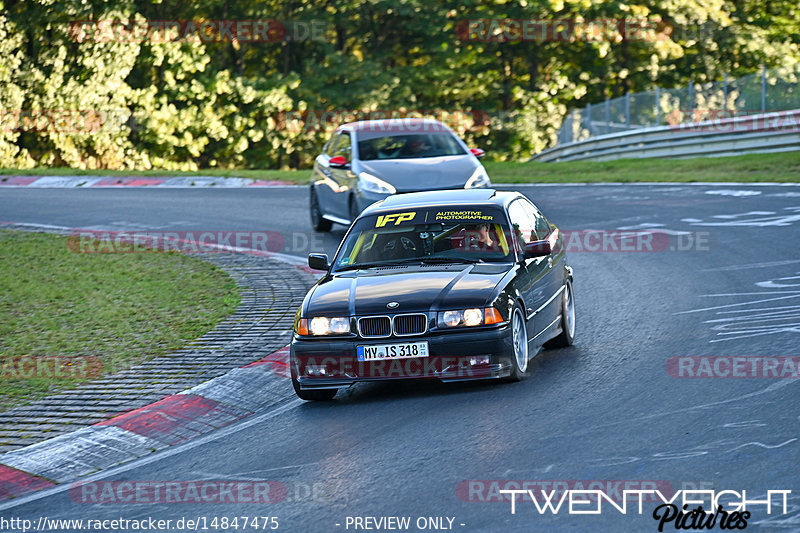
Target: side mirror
[
  {"x": 318, "y": 261},
  {"x": 537, "y": 249},
  {"x": 338, "y": 161},
  {"x": 477, "y": 152}
]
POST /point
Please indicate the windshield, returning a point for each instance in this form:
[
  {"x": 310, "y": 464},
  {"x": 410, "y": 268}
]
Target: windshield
[
  {"x": 408, "y": 145},
  {"x": 439, "y": 235}
]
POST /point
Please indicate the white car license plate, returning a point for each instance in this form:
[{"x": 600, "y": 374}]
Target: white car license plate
[{"x": 404, "y": 350}]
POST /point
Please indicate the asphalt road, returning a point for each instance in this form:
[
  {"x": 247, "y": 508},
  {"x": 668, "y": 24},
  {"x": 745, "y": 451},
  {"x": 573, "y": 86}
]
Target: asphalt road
[{"x": 603, "y": 410}]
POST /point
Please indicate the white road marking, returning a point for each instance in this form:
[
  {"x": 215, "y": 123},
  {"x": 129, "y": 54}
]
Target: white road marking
[
  {"x": 771, "y": 284},
  {"x": 249, "y": 476},
  {"x": 749, "y": 213},
  {"x": 738, "y": 194},
  {"x": 665, "y": 456},
  {"x": 767, "y": 446},
  {"x": 643, "y": 225},
  {"x": 753, "y": 265},
  {"x": 747, "y": 424},
  {"x": 793, "y": 294},
  {"x": 754, "y": 218}
]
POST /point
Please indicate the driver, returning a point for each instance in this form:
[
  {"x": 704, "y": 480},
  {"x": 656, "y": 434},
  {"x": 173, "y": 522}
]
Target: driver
[
  {"x": 479, "y": 238},
  {"x": 416, "y": 147}
]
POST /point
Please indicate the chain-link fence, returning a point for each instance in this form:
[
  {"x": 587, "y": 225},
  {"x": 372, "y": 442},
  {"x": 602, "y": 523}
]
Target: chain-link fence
[{"x": 763, "y": 92}]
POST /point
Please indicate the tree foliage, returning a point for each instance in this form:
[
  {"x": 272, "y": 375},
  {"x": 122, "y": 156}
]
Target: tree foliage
[{"x": 106, "y": 99}]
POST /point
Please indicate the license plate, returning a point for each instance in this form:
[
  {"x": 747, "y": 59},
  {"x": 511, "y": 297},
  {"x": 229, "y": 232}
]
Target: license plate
[{"x": 404, "y": 350}]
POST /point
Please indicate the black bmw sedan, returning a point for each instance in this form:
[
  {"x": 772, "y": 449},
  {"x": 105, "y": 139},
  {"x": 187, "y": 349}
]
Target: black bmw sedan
[{"x": 450, "y": 285}]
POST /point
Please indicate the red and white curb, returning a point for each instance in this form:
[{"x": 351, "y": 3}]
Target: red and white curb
[
  {"x": 172, "y": 420},
  {"x": 178, "y": 182}
]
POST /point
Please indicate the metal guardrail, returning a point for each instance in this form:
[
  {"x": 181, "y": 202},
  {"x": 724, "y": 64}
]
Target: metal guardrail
[
  {"x": 776, "y": 89},
  {"x": 768, "y": 132}
]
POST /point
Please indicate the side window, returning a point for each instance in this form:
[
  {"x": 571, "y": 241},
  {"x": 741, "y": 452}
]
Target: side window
[
  {"x": 343, "y": 147},
  {"x": 328, "y": 148},
  {"x": 541, "y": 225},
  {"x": 523, "y": 223}
]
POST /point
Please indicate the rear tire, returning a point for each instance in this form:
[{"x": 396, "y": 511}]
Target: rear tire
[
  {"x": 567, "y": 335},
  {"x": 320, "y": 395},
  {"x": 317, "y": 221}
]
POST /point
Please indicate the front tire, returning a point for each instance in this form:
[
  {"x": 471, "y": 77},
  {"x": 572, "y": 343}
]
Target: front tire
[
  {"x": 567, "y": 335},
  {"x": 320, "y": 395},
  {"x": 519, "y": 342},
  {"x": 317, "y": 221}
]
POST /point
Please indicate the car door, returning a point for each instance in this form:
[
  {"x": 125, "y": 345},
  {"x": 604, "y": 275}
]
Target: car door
[
  {"x": 342, "y": 177},
  {"x": 547, "y": 284},
  {"x": 322, "y": 176},
  {"x": 523, "y": 227}
]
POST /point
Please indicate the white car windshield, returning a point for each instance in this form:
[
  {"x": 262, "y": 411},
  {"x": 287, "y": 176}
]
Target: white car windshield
[{"x": 408, "y": 146}]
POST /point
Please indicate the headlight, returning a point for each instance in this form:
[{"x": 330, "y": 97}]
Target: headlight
[
  {"x": 478, "y": 179},
  {"x": 469, "y": 317},
  {"x": 323, "y": 326},
  {"x": 451, "y": 318},
  {"x": 370, "y": 183},
  {"x": 473, "y": 317}
]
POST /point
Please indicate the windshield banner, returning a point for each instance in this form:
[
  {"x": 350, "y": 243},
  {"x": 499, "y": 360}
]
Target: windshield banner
[{"x": 432, "y": 216}]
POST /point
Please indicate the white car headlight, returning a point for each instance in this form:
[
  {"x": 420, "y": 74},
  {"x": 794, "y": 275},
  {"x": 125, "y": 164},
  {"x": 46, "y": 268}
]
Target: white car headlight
[
  {"x": 371, "y": 183},
  {"x": 326, "y": 326},
  {"x": 473, "y": 317},
  {"x": 478, "y": 179},
  {"x": 485, "y": 316}
]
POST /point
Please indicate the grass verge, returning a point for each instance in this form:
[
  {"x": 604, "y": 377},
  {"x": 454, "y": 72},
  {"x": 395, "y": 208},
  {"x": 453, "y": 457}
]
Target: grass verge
[
  {"x": 778, "y": 167},
  {"x": 114, "y": 310}
]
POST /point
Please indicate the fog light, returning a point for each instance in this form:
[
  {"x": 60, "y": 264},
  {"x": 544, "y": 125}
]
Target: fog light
[{"x": 479, "y": 360}]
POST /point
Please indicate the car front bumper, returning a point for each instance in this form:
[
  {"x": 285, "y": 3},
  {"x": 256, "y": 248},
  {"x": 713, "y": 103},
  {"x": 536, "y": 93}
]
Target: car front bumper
[{"x": 333, "y": 363}]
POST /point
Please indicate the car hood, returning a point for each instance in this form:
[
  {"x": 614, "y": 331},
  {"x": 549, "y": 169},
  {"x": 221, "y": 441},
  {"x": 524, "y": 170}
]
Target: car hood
[
  {"x": 429, "y": 173},
  {"x": 367, "y": 292}
]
